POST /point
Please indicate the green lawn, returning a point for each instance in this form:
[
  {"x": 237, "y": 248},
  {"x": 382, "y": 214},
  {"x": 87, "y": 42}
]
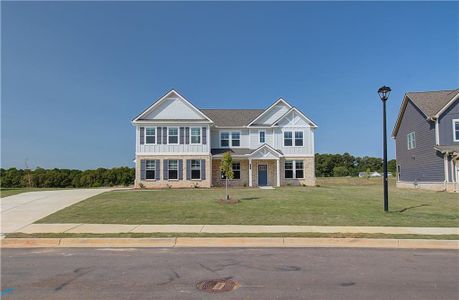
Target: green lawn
[{"x": 335, "y": 202}]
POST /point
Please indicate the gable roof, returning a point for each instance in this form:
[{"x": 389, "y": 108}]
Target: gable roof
[
  {"x": 294, "y": 109},
  {"x": 280, "y": 100},
  {"x": 431, "y": 104},
  {"x": 232, "y": 117},
  {"x": 163, "y": 98}
]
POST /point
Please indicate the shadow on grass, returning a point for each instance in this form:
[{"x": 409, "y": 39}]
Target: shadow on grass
[
  {"x": 411, "y": 207},
  {"x": 251, "y": 198}
]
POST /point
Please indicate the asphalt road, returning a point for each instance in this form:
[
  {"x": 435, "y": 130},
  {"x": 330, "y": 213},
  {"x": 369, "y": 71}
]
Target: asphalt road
[{"x": 313, "y": 273}]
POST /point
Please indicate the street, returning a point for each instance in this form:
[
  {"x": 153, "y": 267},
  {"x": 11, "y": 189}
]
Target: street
[{"x": 309, "y": 273}]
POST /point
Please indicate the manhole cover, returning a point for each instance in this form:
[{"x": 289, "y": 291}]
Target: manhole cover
[{"x": 217, "y": 285}]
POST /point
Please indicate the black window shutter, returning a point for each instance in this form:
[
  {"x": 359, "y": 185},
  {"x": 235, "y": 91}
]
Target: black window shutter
[
  {"x": 204, "y": 135},
  {"x": 182, "y": 135},
  {"x": 188, "y": 169},
  {"x": 187, "y": 135},
  {"x": 158, "y": 169},
  {"x": 164, "y": 135},
  {"x": 166, "y": 169},
  {"x": 142, "y": 135},
  {"x": 158, "y": 133},
  {"x": 180, "y": 169},
  {"x": 143, "y": 164}
]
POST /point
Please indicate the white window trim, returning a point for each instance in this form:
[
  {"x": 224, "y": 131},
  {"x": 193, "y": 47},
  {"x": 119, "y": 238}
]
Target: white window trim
[
  {"x": 191, "y": 171},
  {"x": 146, "y": 169},
  {"x": 283, "y": 138},
  {"x": 169, "y": 169},
  {"x": 296, "y": 169},
  {"x": 413, "y": 134},
  {"x": 293, "y": 169},
  {"x": 178, "y": 135},
  {"x": 294, "y": 134},
  {"x": 455, "y": 138},
  {"x": 145, "y": 136},
  {"x": 260, "y": 131},
  {"x": 230, "y": 142},
  {"x": 200, "y": 136}
]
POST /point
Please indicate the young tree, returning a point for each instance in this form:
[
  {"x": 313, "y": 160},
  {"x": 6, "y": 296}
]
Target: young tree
[{"x": 227, "y": 170}]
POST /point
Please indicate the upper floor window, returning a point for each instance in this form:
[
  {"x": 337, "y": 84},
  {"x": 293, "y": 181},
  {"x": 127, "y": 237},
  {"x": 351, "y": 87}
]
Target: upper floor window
[
  {"x": 196, "y": 135},
  {"x": 411, "y": 140},
  {"x": 456, "y": 130},
  {"x": 262, "y": 136},
  {"x": 172, "y": 135},
  {"x": 150, "y": 135},
  {"x": 173, "y": 169},
  {"x": 150, "y": 169},
  {"x": 195, "y": 169},
  {"x": 298, "y": 138},
  {"x": 288, "y": 139},
  {"x": 230, "y": 139}
]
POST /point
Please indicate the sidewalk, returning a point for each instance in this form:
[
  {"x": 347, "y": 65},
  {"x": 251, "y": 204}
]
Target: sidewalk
[{"x": 123, "y": 228}]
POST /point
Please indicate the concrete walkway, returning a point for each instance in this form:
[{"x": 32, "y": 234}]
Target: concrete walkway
[
  {"x": 123, "y": 228},
  {"x": 20, "y": 210}
]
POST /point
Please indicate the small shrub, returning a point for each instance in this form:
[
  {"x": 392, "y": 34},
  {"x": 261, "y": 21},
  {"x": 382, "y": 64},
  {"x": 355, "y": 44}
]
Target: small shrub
[{"x": 141, "y": 185}]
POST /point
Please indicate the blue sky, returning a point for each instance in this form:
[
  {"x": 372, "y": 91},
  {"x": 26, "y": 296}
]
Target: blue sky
[{"x": 75, "y": 74}]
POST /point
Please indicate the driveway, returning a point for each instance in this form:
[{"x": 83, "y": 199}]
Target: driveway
[{"x": 20, "y": 210}]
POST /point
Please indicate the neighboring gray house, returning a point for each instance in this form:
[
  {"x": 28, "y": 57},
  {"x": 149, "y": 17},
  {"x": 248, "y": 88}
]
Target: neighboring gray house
[
  {"x": 180, "y": 145},
  {"x": 427, "y": 140}
]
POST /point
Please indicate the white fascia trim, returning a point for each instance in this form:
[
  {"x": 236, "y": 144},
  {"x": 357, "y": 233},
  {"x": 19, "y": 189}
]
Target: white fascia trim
[
  {"x": 437, "y": 132},
  {"x": 152, "y": 122},
  {"x": 269, "y": 148},
  {"x": 166, "y": 96},
  {"x": 298, "y": 155},
  {"x": 269, "y": 108},
  {"x": 311, "y": 123},
  {"x": 447, "y": 106}
]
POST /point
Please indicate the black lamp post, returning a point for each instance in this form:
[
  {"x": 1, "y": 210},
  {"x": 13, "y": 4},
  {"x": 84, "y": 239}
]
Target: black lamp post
[{"x": 384, "y": 95}]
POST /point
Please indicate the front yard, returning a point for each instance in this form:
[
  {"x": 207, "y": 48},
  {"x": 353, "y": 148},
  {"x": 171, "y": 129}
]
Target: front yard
[{"x": 335, "y": 202}]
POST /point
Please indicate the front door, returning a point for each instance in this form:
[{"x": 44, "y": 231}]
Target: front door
[{"x": 262, "y": 175}]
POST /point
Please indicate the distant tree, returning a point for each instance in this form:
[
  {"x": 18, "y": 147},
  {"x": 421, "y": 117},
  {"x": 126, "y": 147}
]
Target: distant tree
[
  {"x": 392, "y": 166},
  {"x": 368, "y": 173},
  {"x": 226, "y": 168},
  {"x": 340, "y": 171}
]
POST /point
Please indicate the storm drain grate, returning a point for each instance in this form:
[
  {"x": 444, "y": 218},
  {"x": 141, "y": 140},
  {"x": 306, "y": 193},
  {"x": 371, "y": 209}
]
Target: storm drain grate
[{"x": 217, "y": 285}]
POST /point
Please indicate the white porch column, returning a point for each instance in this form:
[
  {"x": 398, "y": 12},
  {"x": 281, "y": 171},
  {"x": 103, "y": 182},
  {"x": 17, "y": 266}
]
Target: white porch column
[
  {"x": 250, "y": 172},
  {"x": 278, "y": 172}
]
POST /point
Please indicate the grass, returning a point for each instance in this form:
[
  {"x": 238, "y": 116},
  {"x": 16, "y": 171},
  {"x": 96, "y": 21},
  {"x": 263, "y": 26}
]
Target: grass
[
  {"x": 178, "y": 234},
  {"x": 351, "y": 202}
]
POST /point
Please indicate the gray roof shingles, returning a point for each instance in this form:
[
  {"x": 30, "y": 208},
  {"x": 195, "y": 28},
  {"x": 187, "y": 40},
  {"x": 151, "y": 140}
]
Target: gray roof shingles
[
  {"x": 232, "y": 117},
  {"x": 430, "y": 103}
]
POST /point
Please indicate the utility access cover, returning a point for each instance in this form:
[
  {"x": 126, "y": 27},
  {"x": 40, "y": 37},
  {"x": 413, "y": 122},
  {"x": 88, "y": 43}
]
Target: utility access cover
[{"x": 217, "y": 285}]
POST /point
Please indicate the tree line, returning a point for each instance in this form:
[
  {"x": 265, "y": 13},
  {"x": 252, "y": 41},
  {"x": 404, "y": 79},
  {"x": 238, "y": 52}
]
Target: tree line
[
  {"x": 65, "y": 178},
  {"x": 338, "y": 165},
  {"x": 327, "y": 165}
]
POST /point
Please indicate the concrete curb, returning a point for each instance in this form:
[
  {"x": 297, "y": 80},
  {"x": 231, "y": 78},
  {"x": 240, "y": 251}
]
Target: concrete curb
[{"x": 240, "y": 242}]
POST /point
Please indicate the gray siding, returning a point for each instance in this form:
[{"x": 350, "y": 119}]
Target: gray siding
[
  {"x": 424, "y": 163},
  {"x": 445, "y": 123}
]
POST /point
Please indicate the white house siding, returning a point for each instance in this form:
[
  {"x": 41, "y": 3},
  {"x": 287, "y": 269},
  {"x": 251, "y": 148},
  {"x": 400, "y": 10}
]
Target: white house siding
[
  {"x": 274, "y": 114},
  {"x": 308, "y": 141},
  {"x": 173, "y": 108},
  {"x": 180, "y": 148},
  {"x": 254, "y": 137},
  {"x": 215, "y": 137}
]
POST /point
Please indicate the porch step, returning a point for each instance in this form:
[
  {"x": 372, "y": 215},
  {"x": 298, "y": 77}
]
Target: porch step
[{"x": 266, "y": 187}]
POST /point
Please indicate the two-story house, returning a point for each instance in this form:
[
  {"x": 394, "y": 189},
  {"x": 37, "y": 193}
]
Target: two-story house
[
  {"x": 427, "y": 140},
  {"x": 179, "y": 145}
]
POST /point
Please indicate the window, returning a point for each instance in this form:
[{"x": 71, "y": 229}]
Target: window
[
  {"x": 294, "y": 169},
  {"x": 196, "y": 135},
  {"x": 236, "y": 170},
  {"x": 288, "y": 141},
  {"x": 235, "y": 139},
  {"x": 299, "y": 169},
  {"x": 288, "y": 169},
  {"x": 227, "y": 137},
  {"x": 456, "y": 130},
  {"x": 262, "y": 136},
  {"x": 150, "y": 135},
  {"x": 224, "y": 139},
  {"x": 411, "y": 138},
  {"x": 172, "y": 135},
  {"x": 195, "y": 169},
  {"x": 173, "y": 169},
  {"x": 298, "y": 138},
  {"x": 236, "y": 167},
  {"x": 150, "y": 169}
]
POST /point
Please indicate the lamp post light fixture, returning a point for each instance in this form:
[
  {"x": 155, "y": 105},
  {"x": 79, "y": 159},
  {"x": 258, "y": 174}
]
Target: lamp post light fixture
[{"x": 384, "y": 95}]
